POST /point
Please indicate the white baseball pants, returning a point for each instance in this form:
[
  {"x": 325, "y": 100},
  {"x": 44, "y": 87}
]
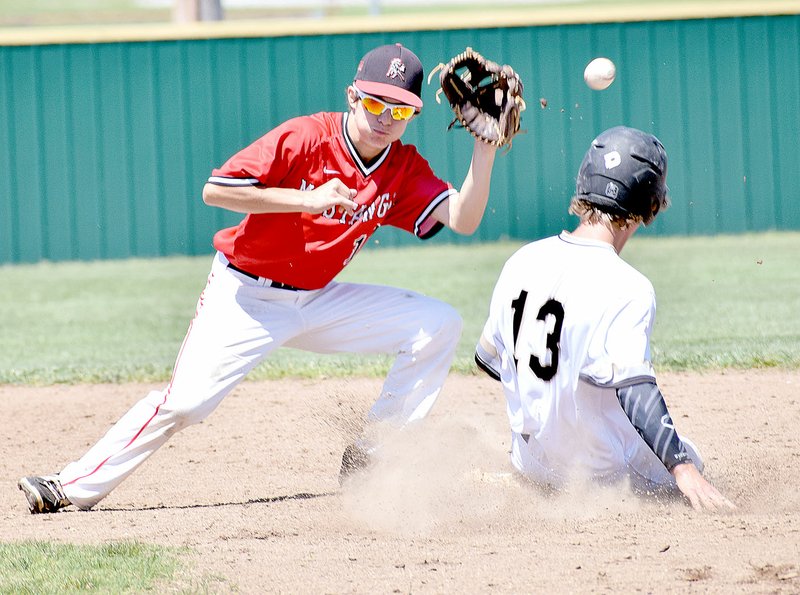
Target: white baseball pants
[
  {"x": 640, "y": 467},
  {"x": 238, "y": 322}
]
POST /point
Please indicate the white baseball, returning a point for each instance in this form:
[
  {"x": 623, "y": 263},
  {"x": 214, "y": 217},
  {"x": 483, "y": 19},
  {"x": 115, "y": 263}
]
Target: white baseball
[{"x": 599, "y": 73}]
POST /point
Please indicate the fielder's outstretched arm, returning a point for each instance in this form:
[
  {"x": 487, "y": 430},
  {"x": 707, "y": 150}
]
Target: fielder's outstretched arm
[{"x": 463, "y": 212}]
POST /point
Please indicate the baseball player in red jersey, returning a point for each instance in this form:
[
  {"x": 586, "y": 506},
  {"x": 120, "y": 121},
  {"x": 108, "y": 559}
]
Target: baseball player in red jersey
[
  {"x": 313, "y": 190},
  {"x": 568, "y": 334}
]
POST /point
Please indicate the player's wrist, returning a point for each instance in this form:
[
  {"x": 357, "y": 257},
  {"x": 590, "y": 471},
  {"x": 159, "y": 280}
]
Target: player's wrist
[
  {"x": 683, "y": 467},
  {"x": 291, "y": 199}
]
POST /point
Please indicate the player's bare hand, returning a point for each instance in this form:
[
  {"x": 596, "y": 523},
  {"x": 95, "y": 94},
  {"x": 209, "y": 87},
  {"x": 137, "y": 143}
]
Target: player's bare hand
[
  {"x": 333, "y": 193},
  {"x": 700, "y": 493}
]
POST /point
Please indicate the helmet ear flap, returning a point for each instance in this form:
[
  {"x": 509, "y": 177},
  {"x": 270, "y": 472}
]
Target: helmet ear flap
[
  {"x": 650, "y": 180},
  {"x": 645, "y": 178}
]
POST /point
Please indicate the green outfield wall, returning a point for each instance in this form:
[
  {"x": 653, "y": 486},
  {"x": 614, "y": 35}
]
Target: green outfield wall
[{"x": 107, "y": 135}]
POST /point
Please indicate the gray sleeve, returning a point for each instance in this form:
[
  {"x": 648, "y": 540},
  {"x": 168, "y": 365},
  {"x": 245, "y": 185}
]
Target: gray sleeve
[{"x": 644, "y": 405}]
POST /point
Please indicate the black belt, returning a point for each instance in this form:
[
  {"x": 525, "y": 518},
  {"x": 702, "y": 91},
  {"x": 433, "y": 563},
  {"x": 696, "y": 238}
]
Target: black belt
[{"x": 275, "y": 284}]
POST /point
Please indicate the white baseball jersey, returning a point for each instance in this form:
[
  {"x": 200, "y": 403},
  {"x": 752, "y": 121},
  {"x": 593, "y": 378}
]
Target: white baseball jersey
[{"x": 570, "y": 322}]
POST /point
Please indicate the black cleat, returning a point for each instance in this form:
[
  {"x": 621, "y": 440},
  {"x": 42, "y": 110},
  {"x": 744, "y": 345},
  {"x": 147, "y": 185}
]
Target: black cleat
[
  {"x": 44, "y": 493},
  {"x": 355, "y": 458}
]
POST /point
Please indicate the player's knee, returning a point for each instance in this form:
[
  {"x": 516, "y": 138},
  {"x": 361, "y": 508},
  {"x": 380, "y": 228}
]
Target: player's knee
[
  {"x": 183, "y": 415},
  {"x": 184, "y": 418},
  {"x": 445, "y": 324},
  {"x": 167, "y": 412}
]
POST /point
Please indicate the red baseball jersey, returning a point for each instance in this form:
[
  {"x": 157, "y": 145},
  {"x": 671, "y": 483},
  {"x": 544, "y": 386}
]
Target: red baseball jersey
[{"x": 397, "y": 188}]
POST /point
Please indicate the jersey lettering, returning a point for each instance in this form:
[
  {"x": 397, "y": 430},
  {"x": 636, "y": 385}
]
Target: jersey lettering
[
  {"x": 384, "y": 204},
  {"x": 554, "y": 308},
  {"x": 357, "y": 244},
  {"x": 380, "y": 208},
  {"x": 550, "y": 308},
  {"x": 518, "y": 305}
]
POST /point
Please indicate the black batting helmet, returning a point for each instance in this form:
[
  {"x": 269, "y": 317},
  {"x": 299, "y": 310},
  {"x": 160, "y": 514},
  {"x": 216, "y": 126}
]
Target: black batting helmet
[{"x": 624, "y": 173}]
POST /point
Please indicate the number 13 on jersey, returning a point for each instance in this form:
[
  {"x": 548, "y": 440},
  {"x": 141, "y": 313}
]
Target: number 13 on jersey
[{"x": 551, "y": 316}]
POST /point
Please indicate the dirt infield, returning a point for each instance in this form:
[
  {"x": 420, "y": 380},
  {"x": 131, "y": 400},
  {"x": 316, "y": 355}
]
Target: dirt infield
[{"x": 253, "y": 492}]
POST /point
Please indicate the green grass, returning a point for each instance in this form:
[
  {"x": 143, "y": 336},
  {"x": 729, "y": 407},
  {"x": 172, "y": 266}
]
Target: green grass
[
  {"x": 728, "y": 301},
  {"x": 42, "y": 568}
]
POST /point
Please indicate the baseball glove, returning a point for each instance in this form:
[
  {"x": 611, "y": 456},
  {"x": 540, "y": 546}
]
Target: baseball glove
[{"x": 485, "y": 96}]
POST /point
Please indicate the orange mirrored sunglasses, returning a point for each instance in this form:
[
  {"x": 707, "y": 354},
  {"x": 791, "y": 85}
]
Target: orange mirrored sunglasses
[{"x": 376, "y": 107}]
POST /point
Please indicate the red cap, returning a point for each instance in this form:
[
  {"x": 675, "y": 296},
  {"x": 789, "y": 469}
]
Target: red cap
[{"x": 393, "y": 72}]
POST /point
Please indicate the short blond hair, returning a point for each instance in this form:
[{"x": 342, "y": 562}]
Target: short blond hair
[{"x": 588, "y": 212}]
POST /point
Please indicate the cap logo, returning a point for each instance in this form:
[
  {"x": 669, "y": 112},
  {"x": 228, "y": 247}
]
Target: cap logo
[
  {"x": 612, "y": 190},
  {"x": 396, "y": 69},
  {"x": 612, "y": 159}
]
